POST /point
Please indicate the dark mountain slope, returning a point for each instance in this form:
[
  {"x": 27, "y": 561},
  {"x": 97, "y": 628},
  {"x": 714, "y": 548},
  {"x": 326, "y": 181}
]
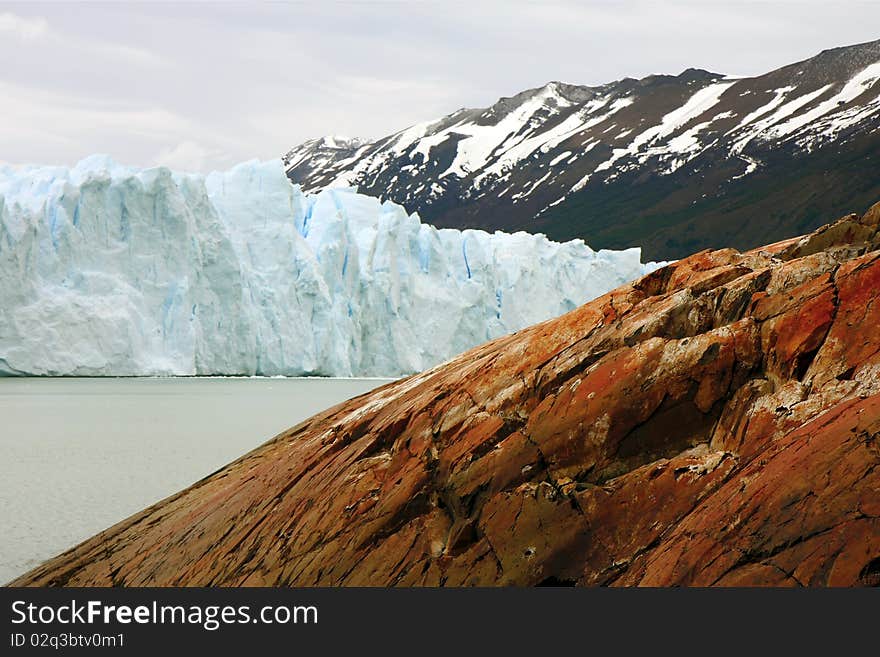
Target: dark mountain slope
[{"x": 635, "y": 162}]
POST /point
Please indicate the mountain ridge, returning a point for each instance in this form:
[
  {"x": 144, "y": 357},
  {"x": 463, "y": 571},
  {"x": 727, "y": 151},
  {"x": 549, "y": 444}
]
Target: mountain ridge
[{"x": 636, "y": 161}]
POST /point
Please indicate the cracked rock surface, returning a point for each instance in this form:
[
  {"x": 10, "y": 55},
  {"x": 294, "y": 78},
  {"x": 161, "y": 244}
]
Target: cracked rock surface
[{"x": 714, "y": 423}]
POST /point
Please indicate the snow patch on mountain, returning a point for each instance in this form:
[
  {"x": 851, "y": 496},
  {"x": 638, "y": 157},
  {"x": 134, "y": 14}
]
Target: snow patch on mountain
[
  {"x": 763, "y": 129},
  {"x": 855, "y": 87},
  {"x": 649, "y": 143}
]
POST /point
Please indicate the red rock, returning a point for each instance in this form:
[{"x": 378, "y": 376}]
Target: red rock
[{"x": 714, "y": 423}]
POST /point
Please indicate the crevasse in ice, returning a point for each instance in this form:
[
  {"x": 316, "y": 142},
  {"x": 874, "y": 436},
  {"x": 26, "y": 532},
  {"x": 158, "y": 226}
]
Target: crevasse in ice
[{"x": 111, "y": 270}]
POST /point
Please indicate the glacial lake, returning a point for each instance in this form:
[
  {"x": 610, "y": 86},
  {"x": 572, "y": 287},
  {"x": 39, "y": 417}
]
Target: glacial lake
[{"x": 78, "y": 455}]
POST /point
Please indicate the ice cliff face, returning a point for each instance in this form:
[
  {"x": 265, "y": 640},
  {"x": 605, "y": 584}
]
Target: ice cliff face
[{"x": 109, "y": 270}]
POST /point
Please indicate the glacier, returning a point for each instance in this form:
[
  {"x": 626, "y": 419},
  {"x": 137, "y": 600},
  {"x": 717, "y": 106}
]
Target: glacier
[{"x": 109, "y": 270}]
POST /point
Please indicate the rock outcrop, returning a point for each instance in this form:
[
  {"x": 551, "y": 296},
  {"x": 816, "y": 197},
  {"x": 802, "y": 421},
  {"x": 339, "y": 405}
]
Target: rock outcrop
[{"x": 714, "y": 423}]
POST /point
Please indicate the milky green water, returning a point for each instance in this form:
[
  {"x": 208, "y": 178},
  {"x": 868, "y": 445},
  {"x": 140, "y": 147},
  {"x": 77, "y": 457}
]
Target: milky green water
[{"x": 78, "y": 455}]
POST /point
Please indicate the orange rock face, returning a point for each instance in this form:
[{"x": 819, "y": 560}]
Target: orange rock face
[{"x": 714, "y": 423}]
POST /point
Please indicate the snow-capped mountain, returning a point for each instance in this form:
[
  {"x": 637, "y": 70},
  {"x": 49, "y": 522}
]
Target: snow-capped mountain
[
  {"x": 671, "y": 163},
  {"x": 110, "y": 270}
]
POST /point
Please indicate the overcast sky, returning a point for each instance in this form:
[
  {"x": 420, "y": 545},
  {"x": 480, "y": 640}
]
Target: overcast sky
[{"x": 202, "y": 86}]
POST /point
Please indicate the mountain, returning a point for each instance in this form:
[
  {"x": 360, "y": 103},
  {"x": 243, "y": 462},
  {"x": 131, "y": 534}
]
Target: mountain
[
  {"x": 114, "y": 271},
  {"x": 673, "y": 164},
  {"x": 713, "y": 423}
]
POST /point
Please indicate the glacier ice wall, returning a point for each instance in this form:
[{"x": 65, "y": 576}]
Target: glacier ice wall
[{"x": 110, "y": 270}]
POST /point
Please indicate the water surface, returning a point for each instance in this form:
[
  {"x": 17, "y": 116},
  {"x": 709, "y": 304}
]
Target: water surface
[{"x": 78, "y": 455}]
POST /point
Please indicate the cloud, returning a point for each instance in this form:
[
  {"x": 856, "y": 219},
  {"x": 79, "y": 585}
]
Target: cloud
[
  {"x": 50, "y": 127},
  {"x": 36, "y": 29},
  {"x": 154, "y": 83},
  {"x": 26, "y": 29},
  {"x": 190, "y": 156}
]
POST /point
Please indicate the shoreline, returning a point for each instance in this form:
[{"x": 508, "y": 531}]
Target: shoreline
[{"x": 278, "y": 377}]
